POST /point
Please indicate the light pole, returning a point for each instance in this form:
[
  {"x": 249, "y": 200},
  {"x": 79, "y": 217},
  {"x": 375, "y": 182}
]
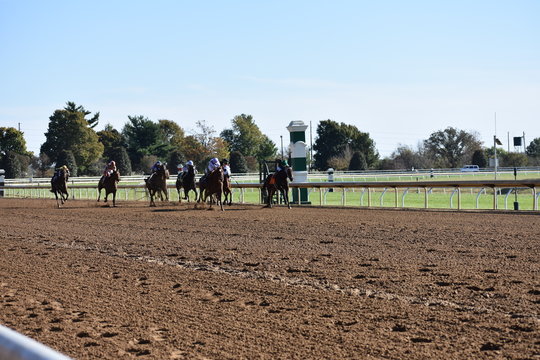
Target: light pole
[{"x": 281, "y": 137}]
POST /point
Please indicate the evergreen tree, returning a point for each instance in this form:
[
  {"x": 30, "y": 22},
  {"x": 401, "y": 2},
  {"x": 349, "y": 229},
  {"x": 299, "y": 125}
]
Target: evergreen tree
[
  {"x": 479, "y": 158},
  {"x": 69, "y": 130},
  {"x": 334, "y": 140},
  {"x": 238, "y": 162},
  {"x": 66, "y": 157},
  {"x": 11, "y": 163},
  {"x": 358, "y": 161}
]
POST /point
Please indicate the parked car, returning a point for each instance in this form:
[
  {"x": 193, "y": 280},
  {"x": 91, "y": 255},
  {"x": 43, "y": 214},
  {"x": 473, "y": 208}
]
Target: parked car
[{"x": 470, "y": 168}]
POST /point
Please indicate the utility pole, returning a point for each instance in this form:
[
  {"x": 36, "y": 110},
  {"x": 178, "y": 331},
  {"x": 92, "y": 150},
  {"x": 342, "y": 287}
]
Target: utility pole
[
  {"x": 281, "y": 137},
  {"x": 495, "y": 146},
  {"x": 310, "y": 146}
]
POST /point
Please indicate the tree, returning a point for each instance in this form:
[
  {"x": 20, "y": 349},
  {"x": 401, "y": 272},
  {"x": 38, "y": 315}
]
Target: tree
[
  {"x": 358, "y": 161},
  {"x": 66, "y": 157},
  {"x": 513, "y": 159},
  {"x": 405, "y": 157},
  {"x": 111, "y": 140},
  {"x": 533, "y": 150},
  {"x": 246, "y": 137},
  {"x": 479, "y": 158},
  {"x": 12, "y": 140},
  {"x": 143, "y": 137},
  {"x": 11, "y": 163},
  {"x": 238, "y": 162},
  {"x": 452, "y": 147},
  {"x": 172, "y": 133},
  {"x": 204, "y": 145},
  {"x": 72, "y": 107},
  {"x": 176, "y": 157},
  {"x": 334, "y": 140},
  {"x": 121, "y": 158},
  {"x": 70, "y": 131}
]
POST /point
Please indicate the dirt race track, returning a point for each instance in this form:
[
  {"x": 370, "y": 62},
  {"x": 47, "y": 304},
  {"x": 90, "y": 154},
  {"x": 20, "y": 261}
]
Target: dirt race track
[{"x": 173, "y": 282}]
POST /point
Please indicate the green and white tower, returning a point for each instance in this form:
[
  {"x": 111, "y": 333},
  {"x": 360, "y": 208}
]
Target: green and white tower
[{"x": 298, "y": 148}]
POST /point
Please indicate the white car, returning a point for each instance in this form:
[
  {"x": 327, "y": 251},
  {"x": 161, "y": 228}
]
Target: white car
[{"x": 470, "y": 168}]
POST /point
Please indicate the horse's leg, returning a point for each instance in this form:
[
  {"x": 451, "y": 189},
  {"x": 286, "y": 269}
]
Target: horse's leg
[
  {"x": 56, "y": 196},
  {"x": 114, "y": 198},
  {"x": 99, "y": 194},
  {"x": 269, "y": 197},
  {"x": 286, "y": 197},
  {"x": 219, "y": 199}
]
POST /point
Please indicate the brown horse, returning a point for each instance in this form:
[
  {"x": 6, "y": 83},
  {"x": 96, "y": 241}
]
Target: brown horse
[
  {"x": 212, "y": 185},
  {"x": 278, "y": 182},
  {"x": 157, "y": 184},
  {"x": 110, "y": 184},
  {"x": 59, "y": 185},
  {"x": 186, "y": 181}
]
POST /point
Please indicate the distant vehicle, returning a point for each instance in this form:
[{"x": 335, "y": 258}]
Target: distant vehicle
[{"x": 470, "y": 168}]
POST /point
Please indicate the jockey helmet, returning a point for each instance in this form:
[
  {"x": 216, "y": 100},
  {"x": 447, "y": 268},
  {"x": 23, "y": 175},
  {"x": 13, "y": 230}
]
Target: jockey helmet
[
  {"x": 284, "y": 163},
  {"x": 224, "y": 161},
  {"x": 112, "y": 163},
  {"x": 189, "y": 163},
  {"x": 158, "y": 163},
  {"x": 214, "y": 161}
]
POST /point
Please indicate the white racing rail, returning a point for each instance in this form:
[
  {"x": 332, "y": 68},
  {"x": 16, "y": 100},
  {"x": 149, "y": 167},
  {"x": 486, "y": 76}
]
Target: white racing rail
[{"x": 15, "y": 346}]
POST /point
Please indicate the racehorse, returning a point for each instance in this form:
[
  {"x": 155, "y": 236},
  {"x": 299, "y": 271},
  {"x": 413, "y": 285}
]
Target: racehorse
[
  {"x": 212, "y": 184},
  {"x": 227, "y": 192},
  {"x": 59, "y": 185},
  {"x": 278, "y": 181},
  {"x": 110, "y": 184},
  {"x": 186, "y": 181},
  {"x": 157, "y": 184}
]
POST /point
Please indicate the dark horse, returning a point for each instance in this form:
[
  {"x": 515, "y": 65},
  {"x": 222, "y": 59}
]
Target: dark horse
[
  {"x": 59, "y": 185},
  {"x": 110, "y": 184},
  {"x": 186, "y": 181},
  {"x": 212, "y": 184},
  {"x": 227, "y": 192},
  {"x": 278, "y": 181},
  {"x": 157, "y": 184}
]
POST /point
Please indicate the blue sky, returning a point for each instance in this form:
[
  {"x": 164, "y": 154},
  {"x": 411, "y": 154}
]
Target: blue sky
[{"x": 398, "y": 70}]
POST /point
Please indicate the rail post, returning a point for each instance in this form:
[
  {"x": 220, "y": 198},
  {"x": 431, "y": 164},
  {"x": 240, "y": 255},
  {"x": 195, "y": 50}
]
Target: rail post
[{"x": 2, "y": 172}]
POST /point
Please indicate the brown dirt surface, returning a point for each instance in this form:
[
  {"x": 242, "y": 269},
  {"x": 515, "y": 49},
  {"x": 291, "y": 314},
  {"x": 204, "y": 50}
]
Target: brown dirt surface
[{"x": 174, "y": 282}]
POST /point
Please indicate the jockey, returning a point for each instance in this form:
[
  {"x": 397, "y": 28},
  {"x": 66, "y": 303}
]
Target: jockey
[
  {"x": 186, "y": 167},
  {"x": 58, "y": 170},
  {"x": 110, "y": 168},
  {"x": 226, "y": 167},
  {"x": 281, "y": 165},
  {"x": 213, "y": 164},
  {"x": 157, "y": 166}
]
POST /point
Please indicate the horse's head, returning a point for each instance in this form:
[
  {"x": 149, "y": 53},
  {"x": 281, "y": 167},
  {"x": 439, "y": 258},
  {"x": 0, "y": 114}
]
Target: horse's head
[{"x": 288, "y": 170}]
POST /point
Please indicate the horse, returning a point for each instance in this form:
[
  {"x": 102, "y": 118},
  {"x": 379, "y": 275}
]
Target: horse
[
  {"x": 278, "y": 181},
  {"x": 212, "y": 184},
  {"x": 110, "y": 184},
  {"x": 157, "y": 184},
  {"x": 186, "y": 181},
  {"x": 59, "y": 185},
  {"x": 227, "y": 192}
]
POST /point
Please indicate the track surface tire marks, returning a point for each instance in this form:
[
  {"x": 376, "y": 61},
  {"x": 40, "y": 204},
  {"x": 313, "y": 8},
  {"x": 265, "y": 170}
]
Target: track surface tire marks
[{"x": 175, "y": 282}]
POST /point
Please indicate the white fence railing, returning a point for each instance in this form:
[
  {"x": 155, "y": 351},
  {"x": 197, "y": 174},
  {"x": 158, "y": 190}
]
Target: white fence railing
[
  {"x": 15, "y": 346},
  {"x": 367, "y": 187}
]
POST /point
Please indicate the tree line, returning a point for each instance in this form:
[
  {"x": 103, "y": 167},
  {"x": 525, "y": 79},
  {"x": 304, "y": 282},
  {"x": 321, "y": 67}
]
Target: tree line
[{"x": 71, "y": 139}]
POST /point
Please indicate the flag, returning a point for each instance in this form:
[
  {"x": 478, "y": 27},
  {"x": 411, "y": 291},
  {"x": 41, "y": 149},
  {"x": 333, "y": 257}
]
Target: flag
[{"x": 497, "y": 141}]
